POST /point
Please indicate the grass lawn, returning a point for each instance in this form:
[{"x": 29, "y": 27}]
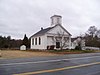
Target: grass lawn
[
  {"x": 34, "y": 53},
  {"x": 23, "y": 54},
  {"x": 73, "y": 51}
]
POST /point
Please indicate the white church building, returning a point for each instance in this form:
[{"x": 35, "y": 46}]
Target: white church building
[{"x": 55, "y": 36}]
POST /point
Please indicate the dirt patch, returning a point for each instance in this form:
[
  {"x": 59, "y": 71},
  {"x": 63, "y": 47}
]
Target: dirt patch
[{"x": 23, "y": 54}]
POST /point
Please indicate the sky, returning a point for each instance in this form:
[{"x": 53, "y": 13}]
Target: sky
[{"x": 19, "y": 17}]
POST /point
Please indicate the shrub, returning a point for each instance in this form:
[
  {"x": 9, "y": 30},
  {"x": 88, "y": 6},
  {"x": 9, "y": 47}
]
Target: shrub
[
  {"x": 78, "y": 48},
  {"x": 52, "y": 47}
]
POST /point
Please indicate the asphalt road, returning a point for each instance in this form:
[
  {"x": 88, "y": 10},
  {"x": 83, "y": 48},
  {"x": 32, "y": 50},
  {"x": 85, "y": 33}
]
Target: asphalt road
[{"x": 75, "y": 64}]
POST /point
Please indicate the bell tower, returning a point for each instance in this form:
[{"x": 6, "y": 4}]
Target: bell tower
[{"x": 56, "y": 19}]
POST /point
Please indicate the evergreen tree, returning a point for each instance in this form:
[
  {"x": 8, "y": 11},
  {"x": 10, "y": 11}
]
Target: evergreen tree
[{"x": 25, "y": 41}]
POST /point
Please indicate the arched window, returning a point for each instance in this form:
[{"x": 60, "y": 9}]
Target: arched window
[{"x": 39, "y": 41}]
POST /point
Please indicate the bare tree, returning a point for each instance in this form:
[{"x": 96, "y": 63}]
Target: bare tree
[
  {"x": 98, "y": 33},
  {"x": 92, "y": 31},
  {"x": 62, "y": 39}
]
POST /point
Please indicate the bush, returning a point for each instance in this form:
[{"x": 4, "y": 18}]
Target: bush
[
  {"x": 78, "y": 48},
  {"x": 51, "y": 47}
]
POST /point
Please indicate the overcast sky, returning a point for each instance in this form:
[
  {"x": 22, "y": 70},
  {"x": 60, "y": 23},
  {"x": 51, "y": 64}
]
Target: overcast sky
[{"x": 19, "y": 17}]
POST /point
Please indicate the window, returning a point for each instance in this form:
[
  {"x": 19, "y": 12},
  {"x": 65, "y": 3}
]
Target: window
[
  {"x": 35, "y": 41},
  {"x": 39, "y": 40},
  {"x": 32, "y": 41}
]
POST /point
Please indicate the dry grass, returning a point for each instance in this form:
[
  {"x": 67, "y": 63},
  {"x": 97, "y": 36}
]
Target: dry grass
[{"x": 23, "y": 54}]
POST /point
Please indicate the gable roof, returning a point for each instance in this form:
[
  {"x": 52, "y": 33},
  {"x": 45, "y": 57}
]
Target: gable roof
[
  {"x": 43, "y": 31},
  {"x": 64, "y": 29}
]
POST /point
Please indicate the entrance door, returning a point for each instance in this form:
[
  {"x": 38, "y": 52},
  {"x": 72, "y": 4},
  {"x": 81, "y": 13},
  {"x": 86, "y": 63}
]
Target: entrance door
[{"x": 57, "y": 44}]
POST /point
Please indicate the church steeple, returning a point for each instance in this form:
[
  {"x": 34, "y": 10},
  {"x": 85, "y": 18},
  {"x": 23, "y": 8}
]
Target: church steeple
[{"x": 56, "y": 19}]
